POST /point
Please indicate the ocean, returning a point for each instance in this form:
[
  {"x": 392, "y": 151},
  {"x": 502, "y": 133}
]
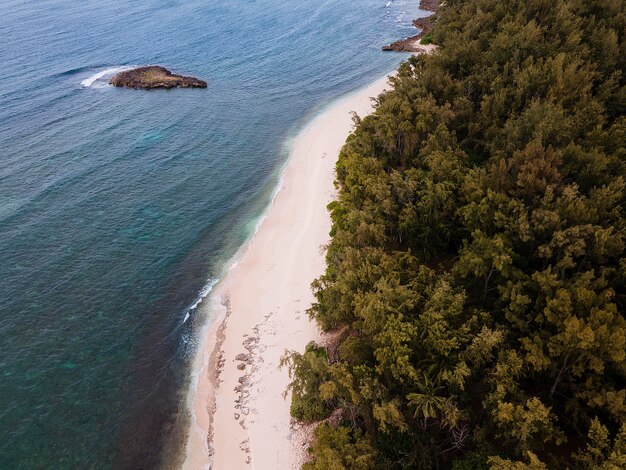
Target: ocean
[{"x": 119, "y": 209}]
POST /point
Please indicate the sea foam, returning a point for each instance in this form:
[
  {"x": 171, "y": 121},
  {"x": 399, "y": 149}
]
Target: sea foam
[
  {"x": 100, "y": 79},
  {"x": 206, "y": 290}
]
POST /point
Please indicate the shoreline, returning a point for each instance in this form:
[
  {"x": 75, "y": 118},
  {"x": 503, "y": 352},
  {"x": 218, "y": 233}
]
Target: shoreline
[
  {"x": 239, "y": 417},
  {"x": 425, "y": 25}
]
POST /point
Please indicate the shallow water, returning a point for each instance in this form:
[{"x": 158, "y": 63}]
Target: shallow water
[{"x": 119, "y": 208}]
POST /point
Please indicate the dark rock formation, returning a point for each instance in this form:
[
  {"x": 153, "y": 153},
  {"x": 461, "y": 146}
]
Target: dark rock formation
[
  {"x": 430, "y": 5},
  {"x": 152, "y": 77},
  {"x": 425, "y": 24},
  {"x": 404, "y": 45}
]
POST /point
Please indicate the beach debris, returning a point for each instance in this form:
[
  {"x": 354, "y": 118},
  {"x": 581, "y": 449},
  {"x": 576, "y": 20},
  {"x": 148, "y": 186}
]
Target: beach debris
[{"x": 244, "y": 445}]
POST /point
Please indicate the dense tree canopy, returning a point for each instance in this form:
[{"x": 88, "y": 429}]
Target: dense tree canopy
[{"x": 476, "y": 279}]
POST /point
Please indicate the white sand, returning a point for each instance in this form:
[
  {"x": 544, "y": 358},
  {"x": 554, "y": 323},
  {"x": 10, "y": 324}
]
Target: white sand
[
  {"x": 241, "y": 415},
  {"x": 423, "y": 48}
]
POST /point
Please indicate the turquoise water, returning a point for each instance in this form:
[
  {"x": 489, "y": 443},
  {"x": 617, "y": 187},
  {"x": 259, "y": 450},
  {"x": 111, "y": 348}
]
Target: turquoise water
[{"x": 119, "y": 207}]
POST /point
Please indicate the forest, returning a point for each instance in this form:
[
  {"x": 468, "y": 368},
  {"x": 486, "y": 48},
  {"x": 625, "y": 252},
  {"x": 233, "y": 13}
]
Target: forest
[{"x": 475, "y": 292}]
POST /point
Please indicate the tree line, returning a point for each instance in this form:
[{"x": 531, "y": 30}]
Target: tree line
[{"x": 475, "y": 286}]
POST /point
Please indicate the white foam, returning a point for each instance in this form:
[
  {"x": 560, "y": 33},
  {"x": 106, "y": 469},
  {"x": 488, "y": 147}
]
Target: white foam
[
  {"x": 206, "y": 290},
  {"x": 97, "y": 78}
]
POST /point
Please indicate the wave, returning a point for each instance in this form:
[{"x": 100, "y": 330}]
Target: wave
[
  {"x": 78, "y": 70},
  {"x": 100, "y": 79},
  {"x": 206, "y": 290}
]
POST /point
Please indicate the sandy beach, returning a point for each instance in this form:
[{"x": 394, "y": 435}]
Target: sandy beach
[{"x": 239, "y": 414}]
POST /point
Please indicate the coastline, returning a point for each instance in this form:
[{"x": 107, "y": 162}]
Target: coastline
[
  {"x": 239, "y": 414},
  {"x": 425, "y": 25}
]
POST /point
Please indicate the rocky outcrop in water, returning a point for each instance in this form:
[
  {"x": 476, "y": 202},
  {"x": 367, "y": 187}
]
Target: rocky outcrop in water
[{"x": 154, "y": 77}]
